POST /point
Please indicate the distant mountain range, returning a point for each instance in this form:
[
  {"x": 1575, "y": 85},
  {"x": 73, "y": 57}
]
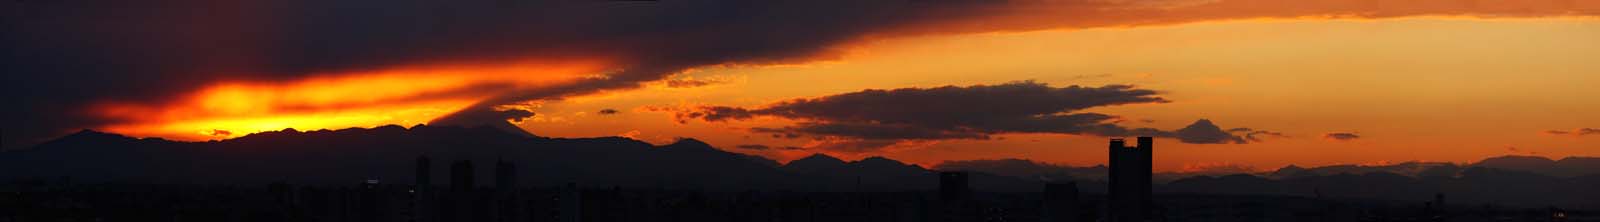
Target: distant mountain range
[
  {"x": 1565, "y": 168},
  {"x": 388, "y": 153}
]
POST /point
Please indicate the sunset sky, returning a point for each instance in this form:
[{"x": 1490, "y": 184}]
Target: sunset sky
[{"x": 1309, "y": 83}]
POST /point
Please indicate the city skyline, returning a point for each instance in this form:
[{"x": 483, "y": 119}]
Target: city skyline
[
  {"x": 800, "y": 110},
  {"x": 568, "y": 180}
]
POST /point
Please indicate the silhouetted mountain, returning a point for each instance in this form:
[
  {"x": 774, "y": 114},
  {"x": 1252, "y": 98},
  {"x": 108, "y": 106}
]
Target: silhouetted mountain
[
  {"x": 350, "y": 155},
  {"x": 1409, "y": 181},
  {"x": 1291, "y": 171},
  {"x": 1477, "y": 185},
  {"x": 814, "y": 164},
  {"x": 1029, "y": 169},
  {"x": 1566, "y": 167},
  {"x": 1413, "y": 169},
  {"x": 342, "y": 156},
  {"x": 347, "y": 156},
  {"x": 1229, "y": 184}
]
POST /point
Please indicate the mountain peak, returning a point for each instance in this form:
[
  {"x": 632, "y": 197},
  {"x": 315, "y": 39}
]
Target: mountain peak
[
  {"x": 820, "y": 158},
  {"x": 1517, "y": 158},
  {"x": 813, "y": 163},
  {"x": 1516, "y": 162},
  {"x": 688, "y": 144},
  {"x": 880, "y": 161},
  {"x": 92, "y": 135}
]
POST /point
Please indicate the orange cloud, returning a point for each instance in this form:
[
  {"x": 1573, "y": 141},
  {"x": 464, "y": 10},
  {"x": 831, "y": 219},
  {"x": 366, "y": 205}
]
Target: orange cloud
[{"x": 361, "y": 99}]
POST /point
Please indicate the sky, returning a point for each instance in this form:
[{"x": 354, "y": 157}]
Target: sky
[{"x": 1222, "y": 83}]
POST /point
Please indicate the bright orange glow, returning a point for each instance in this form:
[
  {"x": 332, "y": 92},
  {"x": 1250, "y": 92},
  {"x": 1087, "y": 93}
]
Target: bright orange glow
[{"x": 403, "y": 96}]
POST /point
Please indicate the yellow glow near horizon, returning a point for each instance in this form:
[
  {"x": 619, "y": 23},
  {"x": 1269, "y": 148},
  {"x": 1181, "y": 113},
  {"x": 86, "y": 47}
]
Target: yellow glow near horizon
[{"x": 404, "y": 96}]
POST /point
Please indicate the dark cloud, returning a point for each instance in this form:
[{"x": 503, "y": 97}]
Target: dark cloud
[
  {"x": 1576, "y": 132},
  {"x": 63, "y": 55},
  {"x": 218, "y": 132},
  {"x": 759, "y": 147},
  {"x": 856, "y": 146},
  {"x": 1336, "y": 136},
  {"x": 485, "y": 116},
  {"x": 785, "y": 133},
  {"x": 1026, "y": 103},
  {"x": 608, "y": 112},
  {"x": 876, "y": 118},
  {"x": 491, "y": 117},
  {"x": 754, "y": 147},
  {"x": 870, "y": 131},
  {"x": 689, "y": 83},
  {"x": 1256, "y": 135}
]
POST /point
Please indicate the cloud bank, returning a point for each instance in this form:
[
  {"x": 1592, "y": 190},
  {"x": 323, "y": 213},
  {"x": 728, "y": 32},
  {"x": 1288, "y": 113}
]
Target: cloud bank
[
  {"x": 878, "y": 118},
  {"x": 1576, "y": 132},
  {"x": 64, "y": 56},
  {"x": 1341, "y": 136}
]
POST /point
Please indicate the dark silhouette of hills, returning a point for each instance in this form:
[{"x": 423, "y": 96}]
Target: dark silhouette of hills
[
  {"x": 1476, "y": 185},
  {"x": 347, "y": 156},
  {"x": 1566, "y": 167},
  {"x": 1026, "y": 169},
  {"x": 1510, "y": 180}
]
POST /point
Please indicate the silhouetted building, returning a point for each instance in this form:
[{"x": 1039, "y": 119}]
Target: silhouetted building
[
  {"x": 368, "y": 205},
  {"x": 424, "y": 172},
  {"x": 1060, "y": 202},
  {"x": 505, "y": 175},
  {"x": 1129, "y": 191},
  {"x": 569, "y": 204},
  {"x": 422, "y": 204},
  {"x": 1438, "y": 200},
  {"x": 461, "y": 175},
  {"x": 953, "y": 186}
]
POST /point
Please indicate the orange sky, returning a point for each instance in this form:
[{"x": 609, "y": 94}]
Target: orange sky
[
  {"x": 1432, "y": 89},
  {"x": 1429, "y": 88}
]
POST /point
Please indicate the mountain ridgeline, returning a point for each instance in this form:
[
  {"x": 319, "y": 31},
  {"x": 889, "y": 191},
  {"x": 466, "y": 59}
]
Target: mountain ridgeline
[{"x": 388, "y": 153}]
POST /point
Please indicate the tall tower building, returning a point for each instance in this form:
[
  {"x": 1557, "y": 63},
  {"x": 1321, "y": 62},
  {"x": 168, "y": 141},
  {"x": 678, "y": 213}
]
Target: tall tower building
[
  {"x": 424, "y": 172},
  {"x": 461, "y": 175},
  {"x": 1130, "y": 198},
  {"x": 505, "y": 175},
  {"x": 953, "y": 186}
]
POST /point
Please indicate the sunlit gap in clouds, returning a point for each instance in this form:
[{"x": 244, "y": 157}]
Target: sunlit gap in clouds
[{"x": 402, "y": 96}]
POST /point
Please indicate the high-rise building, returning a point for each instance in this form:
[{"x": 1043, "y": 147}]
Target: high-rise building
[
  {"x": 505, "y": 175},
  {"x": 1129, "y": 195},
  {"x": 461, "y": 175},
  {"x": 420, "y": 209},
  {"x": 569, "y": 204},
  {"x": 424, "y": 171},
  {"x": 953, "y": 186}
]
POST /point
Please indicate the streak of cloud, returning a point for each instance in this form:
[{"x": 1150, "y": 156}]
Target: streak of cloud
[
  {"x": 878, "y": 118},
  {"x": 1341, "y": 136}
]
